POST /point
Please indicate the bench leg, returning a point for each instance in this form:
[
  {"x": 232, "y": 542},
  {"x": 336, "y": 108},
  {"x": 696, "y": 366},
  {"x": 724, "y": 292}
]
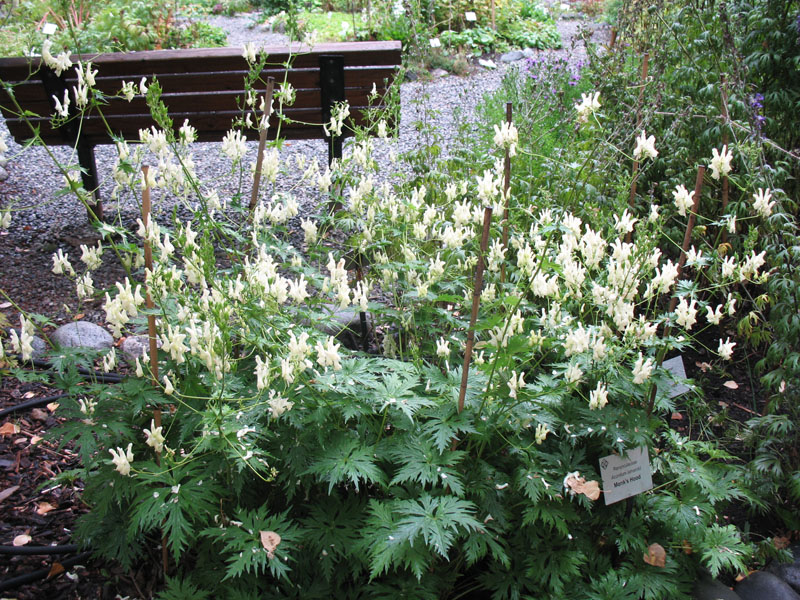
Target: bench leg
[
  {"x": 89, "y": 177},
  {"x": 331, "y": 73}
]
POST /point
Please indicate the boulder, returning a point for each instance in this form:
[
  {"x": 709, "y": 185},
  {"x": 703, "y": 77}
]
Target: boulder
[
  {"x": 765, "y": 586},
  {"x": 437, "y": 73},
  {"x": 136, "y": 346},
  {"x": 790, "y": 571},
  {"x": 708, "y": 588},
  {"x": 3, "y": 174},
  {"x": 345, "y": 325},
  {"x": 82, "y": 334},
  {"x": 512, "y": 56},
  {"x": 529, "y": 53}
]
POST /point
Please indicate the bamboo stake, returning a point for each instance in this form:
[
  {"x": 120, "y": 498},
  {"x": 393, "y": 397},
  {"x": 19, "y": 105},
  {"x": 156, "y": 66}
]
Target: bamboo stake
[
  {"x": 687, "y": 238},
  {"x": 151, "y": 331},
  {"x": 725, "y": 140},
  {"x": 476, "y": 299},
  {"x": 613, "y": 38},
  {"x": 506, "y": 187},
  {"x": 631, "y": 199},
  {"x": 262, "y": 141}
]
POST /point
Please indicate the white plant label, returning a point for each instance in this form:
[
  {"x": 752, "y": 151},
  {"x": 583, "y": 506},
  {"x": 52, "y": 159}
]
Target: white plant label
[
  {"x": 49, "y": 28},
  {"x": 626, "y": 476},
  {"x": 675, "y": 366},
  {"x": 470, "y": 16}
]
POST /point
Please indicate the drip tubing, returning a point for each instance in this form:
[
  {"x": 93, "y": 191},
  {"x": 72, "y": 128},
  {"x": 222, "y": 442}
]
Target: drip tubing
[
  {"x": 29, "y": 550},
  {"x": 15, "y": 582},
  {"x": 36, "y": 402}
]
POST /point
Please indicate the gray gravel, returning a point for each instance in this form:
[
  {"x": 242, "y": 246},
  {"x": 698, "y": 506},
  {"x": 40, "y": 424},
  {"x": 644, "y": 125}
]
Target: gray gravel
[{"x": 48, "y": 222}]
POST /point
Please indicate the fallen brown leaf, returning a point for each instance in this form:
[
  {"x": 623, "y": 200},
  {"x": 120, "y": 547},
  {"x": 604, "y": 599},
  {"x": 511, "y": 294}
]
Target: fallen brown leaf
[
  {"x": 35, "y": 439},
  {"x": 52, "y": 406},
  {"x": 780, "y": 543},
  {"x": 731, "y": 385},
  {"x": 5, "y": 305},
  {"x": 270, "y": 541},
  {"x": 56, "y": 569},
  {"x": 9, "y": 429},
  {"x": 676, "y": 416},
  {"x": 44, "y": 507},
  {"x": 38, "y": 414},
  {"x": 21, "y": 540},
  {"x": 656, "y": 555},
  {"x": 28, "y": 395},
  {"x": 7, "y": 492},
  {"x": 687, "y": 547},
  {"x": 703, "y": 366},
  {"x": 579, "y": 485}
]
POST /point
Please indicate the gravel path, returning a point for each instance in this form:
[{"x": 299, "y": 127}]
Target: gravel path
[{"x": 49, "y": 222}]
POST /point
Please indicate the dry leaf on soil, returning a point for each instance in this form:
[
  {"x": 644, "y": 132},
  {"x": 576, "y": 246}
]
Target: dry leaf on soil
[
  {"x": 703, "y": 366},
  {"x": 38, "y": 414},
  {"x": 656, "y": 555},
  {"x": 52, "y": 406},
  {"x": 780, "y": 543},
  {"x": 44, "y": 507},
  {"x": 270, "y": 541},
  {"x": 21, "y": 540},
  {"x": 56, "y": 569},
  {"x": 28, "y": 395},
  {"x": 579, "y": 485},
  {"x": 7, "y": 492},
  {"x": 732, "y": 385},
  {"x": 9, "y": 429}
]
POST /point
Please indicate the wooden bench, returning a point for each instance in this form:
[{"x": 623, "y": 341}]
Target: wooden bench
[{"x": 202, "y": 85}]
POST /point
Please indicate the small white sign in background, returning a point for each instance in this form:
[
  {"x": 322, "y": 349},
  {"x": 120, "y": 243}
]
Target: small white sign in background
[
  {"x": 49, "y": 28},
  {"x": 470, "y": 16},
  {"x": 675, "y": 366},
  {"x": 626, "y": 476}
]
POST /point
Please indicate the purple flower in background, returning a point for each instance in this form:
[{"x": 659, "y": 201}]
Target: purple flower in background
[{"x": 756, "y": 102}]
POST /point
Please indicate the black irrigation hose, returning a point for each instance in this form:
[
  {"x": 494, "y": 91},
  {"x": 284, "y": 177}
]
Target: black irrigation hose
[
  {"x": 15, "y": 582},
  {"x": 36, "y": 402},
  {"x": 98, "y": 376},
  {"x": 29, "y": 550}
]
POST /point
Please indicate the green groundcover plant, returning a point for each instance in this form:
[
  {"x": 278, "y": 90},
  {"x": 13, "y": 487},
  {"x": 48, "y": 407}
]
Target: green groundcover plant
[{"x": 286, "y": 465}]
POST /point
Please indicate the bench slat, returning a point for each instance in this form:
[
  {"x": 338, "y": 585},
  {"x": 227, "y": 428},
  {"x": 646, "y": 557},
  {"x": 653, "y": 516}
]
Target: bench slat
[{"x": 154, "y": 62}]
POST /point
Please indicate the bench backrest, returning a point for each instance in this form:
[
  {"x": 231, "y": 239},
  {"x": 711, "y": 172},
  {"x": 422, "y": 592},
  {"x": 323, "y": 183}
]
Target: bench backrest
[{"x": 202, "y": 85}]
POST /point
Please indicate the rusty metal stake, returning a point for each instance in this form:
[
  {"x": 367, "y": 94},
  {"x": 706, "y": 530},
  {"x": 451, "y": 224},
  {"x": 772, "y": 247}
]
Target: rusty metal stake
[
  {"x": 262, "y": 141},
  {"x": 476, "y": 300}
]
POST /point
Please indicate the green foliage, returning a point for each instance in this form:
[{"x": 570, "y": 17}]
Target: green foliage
[{"x": 286, "y": 466}]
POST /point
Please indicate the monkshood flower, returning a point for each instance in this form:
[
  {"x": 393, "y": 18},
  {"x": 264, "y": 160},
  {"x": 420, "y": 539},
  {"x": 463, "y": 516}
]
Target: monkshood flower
[
  {"x": 684, "y": 200},
  {"x": 725, "y": 349},
  {"x": 720, "y": 162},
  {"x": 642, "y": 369},
  {"x": 61, "y": 264},
  {"x": 122, "y": 459},
  {"x": 234, "y": 145},
  {"x": 506, "y": 136},
  {"x": 714, "y": 316},
  {"x": 278, "y": 404},
  {"x": 598, "y": 397},
  {"x": 155, "y": 437},
  {"x": 128, "y": 90},
  {"x": 59, "y": 63},
  {"x": 686, "y": 313},
  {"x": 442, "y": 348},
  {"x": 645, "y": 147},
  {"x": 589, "y": 104},
  {"x": 249, "y": 53},
  {"x": 62, "y": 109},
  {"x": 541, "y": 433},
  {"x": 761, "y": 202},
  {"x": 91, "y": 257},
  {"x": 328, "y": 355}
]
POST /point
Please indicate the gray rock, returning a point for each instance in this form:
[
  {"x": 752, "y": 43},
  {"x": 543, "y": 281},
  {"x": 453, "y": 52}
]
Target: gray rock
[
  {"x": 439, "y": 73},
  {"x": 82, "y": 334},
  {"x": 529, "y": 52},
  {"x": 512, "y": 56},
  {"x": 790, "y": 571},
  {"x": 136, "y": 346},
  {"x": 3, "y": 174},
  {"x": 765, "y": 586},
  {"x": 707, "y": 588},
  {"x": 3, "y": 161}
]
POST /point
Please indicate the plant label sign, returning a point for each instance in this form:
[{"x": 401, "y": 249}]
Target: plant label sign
[
  {"x": 626, "y": 476},
  {"x": 675, "y": 366},
  {"x": 49, "y": 28}
]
